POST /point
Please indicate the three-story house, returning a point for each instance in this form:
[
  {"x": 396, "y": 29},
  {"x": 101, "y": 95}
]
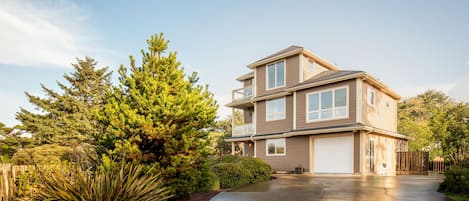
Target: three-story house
[{"x": 299, "y": 110}]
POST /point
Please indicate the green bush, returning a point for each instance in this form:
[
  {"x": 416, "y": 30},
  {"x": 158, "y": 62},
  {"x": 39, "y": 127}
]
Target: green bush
[
  {"x": 235, "y": 171},
  {"x": 464, "y": 163},
  {"x": 52, "y": 154},
  {"x": 42, "y": 155},
  {"x": 456, "y": 181}
]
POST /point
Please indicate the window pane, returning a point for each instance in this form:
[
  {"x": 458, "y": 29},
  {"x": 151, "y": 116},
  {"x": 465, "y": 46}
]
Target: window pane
[
  {"x": 371, "y": 97},
  {"x": 340, "y": 112},
  {"x": 340, "y": 97},
  {"x": 313, "y": 102},
  {"x": 280, "y": 150},
  {"x": 271, "y": 76},
  {"x": 326, "y": 100},
  {"x": 280, "y": 74},
  {"x": 271, "y": 148},
  {"x": 326, "y": 114},
  {"x": 313, "y": 116},
  {"x": 276, "y": 109},
  {"x": 281, "y": 105},
  {"x": 270, "y": 109}
]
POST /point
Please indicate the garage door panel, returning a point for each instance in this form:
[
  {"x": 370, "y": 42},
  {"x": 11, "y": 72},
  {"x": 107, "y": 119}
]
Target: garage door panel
[{"x": 333, "y": 155}]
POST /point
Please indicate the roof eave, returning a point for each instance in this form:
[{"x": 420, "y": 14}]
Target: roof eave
[
  {"x": 382, "y": 86},
  {"x": 271, "y": 59},
  {"x": 324, "y": 82},
  {"x": 245, "y": 76}
]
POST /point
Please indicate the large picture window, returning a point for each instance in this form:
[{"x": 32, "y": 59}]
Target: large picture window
[
  {"x": 276, "y": 147},
  {"x": 276, "y": 75},
  {"x": 327, "y": 104}
]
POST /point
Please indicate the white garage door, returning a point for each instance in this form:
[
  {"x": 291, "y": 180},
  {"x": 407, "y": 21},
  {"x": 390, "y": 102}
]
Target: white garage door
[{"x": 333, "y": 155}]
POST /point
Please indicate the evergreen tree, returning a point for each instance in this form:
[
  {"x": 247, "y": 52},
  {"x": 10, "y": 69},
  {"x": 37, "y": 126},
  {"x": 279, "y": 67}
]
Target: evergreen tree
[
  {"x": 67, "y": 118},
  {"x": 158, "y": 116}
]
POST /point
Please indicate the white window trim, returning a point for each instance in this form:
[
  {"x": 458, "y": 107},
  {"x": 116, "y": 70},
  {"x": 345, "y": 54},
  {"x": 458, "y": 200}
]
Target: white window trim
[
  {"x": 284, "y": 74},
  {"x": 333, "y": 103},
  {"x": 371, "y": 90},
  {"x": 284, "y": 147},
  {"x": 284, "y": 108}
]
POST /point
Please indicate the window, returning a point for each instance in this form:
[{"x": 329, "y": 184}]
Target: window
[
  {"x": 311, "y": 66},
  {"x": 328, "y": 104},
  {"x": 370, "y": 97},
  {"x": 276, "y": 75},
  {"x": 275, "y": 109},
  {"x": 276, "y": 147}
]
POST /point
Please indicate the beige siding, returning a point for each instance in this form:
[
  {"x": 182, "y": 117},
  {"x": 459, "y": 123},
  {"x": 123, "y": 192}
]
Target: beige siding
[
  {"x": 384, "y": 114},
  {"x": 247, "y": 115},
  {"x": 301, "y": 106},
  {"x": 291, "y": 75},
  {"x": 318, "y": 68},
  {"x": 297, "y": 153},
  {"x": 385, "y": 148},
  {"x": 247, "y": 82},
  {"x": 277, "y": 126}
]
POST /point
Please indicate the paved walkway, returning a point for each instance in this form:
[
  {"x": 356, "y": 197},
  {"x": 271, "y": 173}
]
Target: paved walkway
[{"x": 308, "y": 187}]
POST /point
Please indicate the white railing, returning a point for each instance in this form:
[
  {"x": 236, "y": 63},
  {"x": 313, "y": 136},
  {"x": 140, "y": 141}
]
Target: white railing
[
  {"x": 243, "y": 130},
  {"x": 243, "y": 93}
]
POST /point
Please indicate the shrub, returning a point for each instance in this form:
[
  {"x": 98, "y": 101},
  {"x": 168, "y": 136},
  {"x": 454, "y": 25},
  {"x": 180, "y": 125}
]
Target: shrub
[
  {"x": 128, "y": 183},
  {"x": 45, "y": 154},
  {"x": 456, "y": 181},
  {"x": 235, "y": 171},
  {"x": 231, "y": 175}
]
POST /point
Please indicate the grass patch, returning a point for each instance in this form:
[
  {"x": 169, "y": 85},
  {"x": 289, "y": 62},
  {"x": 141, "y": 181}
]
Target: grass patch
[{"x": 457, "y": 197}]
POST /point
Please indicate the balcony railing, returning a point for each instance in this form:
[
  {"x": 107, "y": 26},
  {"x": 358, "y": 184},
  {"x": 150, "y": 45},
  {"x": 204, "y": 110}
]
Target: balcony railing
[
  {"x": 243, "y": 93},
  {"x": 243, "y": 130}
]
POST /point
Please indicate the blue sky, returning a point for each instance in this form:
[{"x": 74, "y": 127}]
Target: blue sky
[{"x": 412, "y": 46}]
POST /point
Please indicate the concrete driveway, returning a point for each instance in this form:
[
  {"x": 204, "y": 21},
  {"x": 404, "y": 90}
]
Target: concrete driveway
[{"x": 308, "y": 187}]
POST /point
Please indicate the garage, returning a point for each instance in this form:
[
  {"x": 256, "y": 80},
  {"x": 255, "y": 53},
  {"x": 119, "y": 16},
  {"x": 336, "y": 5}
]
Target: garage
[{"x": 333, "y": 155}]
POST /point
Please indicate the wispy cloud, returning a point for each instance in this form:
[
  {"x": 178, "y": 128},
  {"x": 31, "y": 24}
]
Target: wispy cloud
[
  {"x": 43, "y": 34},
  {"x": 467, "y": 62},
  {"x": 413, "y": 90},
  {"x": 459, "y": 91}
]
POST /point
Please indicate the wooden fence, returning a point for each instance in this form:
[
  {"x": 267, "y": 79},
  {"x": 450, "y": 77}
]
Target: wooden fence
[
  {"x": 8, "y": 179},
  {"x": 437, "y": 166},
  {"x": 412, "y": 163}
]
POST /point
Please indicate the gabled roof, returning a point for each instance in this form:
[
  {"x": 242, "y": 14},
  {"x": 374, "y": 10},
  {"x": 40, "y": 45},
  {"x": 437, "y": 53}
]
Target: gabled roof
[
  {"x": 290, "y": 51},
  {"x": 286, "y": 50},
  {"x": 327, "y": 75}
]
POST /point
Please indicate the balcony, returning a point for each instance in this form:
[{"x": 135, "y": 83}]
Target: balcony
[
  {"x": 241, "y": 98},
  {"x": 243, "y": 93},
  {"x": 243, "y": 130}
]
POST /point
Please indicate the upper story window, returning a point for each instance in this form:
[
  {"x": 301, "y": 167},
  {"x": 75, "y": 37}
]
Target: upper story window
[
  {"x": 327, "y": 104},
  {"x": 370, "y": 96},
  {"x": 276, "y": 75},
  {"x": 276, "y": 147},
  {"x": 275, "y": 109}
]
